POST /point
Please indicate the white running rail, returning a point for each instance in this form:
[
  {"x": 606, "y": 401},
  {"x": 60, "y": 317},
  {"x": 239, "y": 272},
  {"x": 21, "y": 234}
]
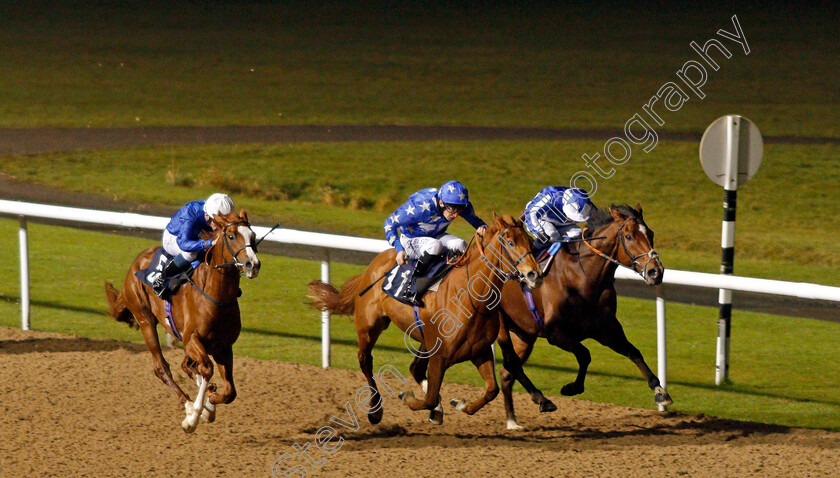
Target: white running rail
[{"x": 329, "y": 241}]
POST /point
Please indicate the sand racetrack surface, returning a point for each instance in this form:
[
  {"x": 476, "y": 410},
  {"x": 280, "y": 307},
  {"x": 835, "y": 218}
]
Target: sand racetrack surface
[{"x": 79, "y": 407}]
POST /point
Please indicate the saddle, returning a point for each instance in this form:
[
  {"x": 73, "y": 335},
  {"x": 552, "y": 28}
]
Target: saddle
[
  {"x": 149, "y": 275},
  {"x": 401, "y": 284}
]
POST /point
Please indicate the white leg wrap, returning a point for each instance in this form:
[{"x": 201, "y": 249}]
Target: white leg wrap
[
  {"x": 512, "y": 425},
  {"x": 194, "y": 409}
]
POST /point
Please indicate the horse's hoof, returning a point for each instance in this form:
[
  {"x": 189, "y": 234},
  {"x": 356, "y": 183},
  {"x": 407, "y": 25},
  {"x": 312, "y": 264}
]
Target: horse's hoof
[
  {"x": 459, "y": 404},
  {"x": 547, "y": 406},
  {"x": 375, "y": 418},
  {"x": 208, "y": 414},
  {"x": 661, "y": 397},
  {"x": 571, "y": 389},
  {"x": 512, "y": 425},
  {"x": 436, "y": 416},
  {"x": 189, "y": 423}
]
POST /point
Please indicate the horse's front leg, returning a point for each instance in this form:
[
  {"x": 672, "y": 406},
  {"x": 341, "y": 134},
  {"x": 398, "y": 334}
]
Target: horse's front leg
[
  {"x": 418, "y": 369},
  {"x": 582, "y": 355},
  {"x": 194, "y": 349},
  {"x": 436, "y": 368},
  {"x": 612, "y": 335},
  {"x": 515, "y": 351},
  {"x": 224, "y": 361},
  {"x": 487, "y": 368}
]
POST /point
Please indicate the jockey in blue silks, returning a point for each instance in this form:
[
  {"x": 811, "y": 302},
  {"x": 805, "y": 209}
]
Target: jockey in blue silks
[
  {"x": 553, "y": 214},
  {"x": 422, "y": 221},
  {"x": 181, "y": 236}
]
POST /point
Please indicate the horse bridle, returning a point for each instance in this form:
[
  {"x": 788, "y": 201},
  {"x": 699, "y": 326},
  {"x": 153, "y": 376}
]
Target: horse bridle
[
  {"x": 234, "y": 263},
  {"x": 235, "y": 260},
  {"x": 516, "y": 274},
  {"x": 642, "y": 268}
]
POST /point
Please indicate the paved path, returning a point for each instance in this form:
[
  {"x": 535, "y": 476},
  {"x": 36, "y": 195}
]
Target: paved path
[{"x": 42, "y": 140}]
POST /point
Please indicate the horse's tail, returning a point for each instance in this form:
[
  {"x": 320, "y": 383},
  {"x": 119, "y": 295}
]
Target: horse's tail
[
  {"x": 325, "y": 296},
  {"x": 117, "y": 307}
]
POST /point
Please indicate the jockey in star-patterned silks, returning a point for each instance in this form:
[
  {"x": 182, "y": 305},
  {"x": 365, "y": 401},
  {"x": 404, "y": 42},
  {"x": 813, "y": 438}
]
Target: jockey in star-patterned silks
[
  {"x": 181, "y": 236},
  {"x": 422, "y": 221},
  {"x": 554, "y": 212}
]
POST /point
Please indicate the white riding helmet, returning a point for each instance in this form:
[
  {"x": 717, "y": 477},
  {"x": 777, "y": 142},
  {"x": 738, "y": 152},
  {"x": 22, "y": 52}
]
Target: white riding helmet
[{"x": 218, "y": 203}]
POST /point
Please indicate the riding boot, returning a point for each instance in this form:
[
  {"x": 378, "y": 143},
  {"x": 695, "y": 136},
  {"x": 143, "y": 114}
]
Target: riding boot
[
  {"x": 421, "y": 284},
  {"x": 172, "y": 268},
  {"x": 423, "y": 264}
]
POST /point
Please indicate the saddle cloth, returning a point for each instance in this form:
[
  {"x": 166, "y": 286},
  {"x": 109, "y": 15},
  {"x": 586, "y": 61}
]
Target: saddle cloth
[
  {"x": 401, "y": 277},
  {"x": 149, "y": 275}
]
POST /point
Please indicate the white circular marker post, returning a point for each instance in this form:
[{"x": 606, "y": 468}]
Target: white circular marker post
[{"x": 730, "y": 151}]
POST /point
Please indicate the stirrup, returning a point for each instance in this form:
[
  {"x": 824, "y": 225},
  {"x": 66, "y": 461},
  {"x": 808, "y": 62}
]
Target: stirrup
[
  {"x": 413, "y": 300},
  {"x": 161, "y": 287}
]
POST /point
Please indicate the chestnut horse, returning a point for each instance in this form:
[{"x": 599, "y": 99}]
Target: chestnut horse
[
  {"x": 452, "y": 328},
  {"x": 578, "y": 301},
  {"x": 206, "y": 312}
]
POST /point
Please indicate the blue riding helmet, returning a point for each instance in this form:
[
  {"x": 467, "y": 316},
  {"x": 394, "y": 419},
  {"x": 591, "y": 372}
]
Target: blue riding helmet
[
  {"x": 454, "y": 193},
  {"x": 576, "y": 204}
]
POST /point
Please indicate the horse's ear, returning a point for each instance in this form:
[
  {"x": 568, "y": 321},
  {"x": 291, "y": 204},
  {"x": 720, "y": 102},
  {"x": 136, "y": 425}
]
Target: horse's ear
[
  {"x": 616, "y": 214},
  {"x": 498, "y": 220},
  {"x": 639, "y": 209},
  {"x": 244, "y": 215}
]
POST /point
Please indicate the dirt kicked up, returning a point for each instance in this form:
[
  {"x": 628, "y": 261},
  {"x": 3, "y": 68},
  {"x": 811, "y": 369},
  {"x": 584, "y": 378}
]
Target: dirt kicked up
[{"x": 72, "y": 406}]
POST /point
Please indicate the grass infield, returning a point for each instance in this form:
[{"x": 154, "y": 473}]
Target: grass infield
[{"x": 349, "y": 188}]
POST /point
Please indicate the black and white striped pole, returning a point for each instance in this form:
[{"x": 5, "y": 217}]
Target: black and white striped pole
[{"x": 730, "y": 152}]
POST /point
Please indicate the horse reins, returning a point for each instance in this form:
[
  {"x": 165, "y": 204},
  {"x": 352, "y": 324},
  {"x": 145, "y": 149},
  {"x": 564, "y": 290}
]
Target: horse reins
[
  {"x": 651, "y": 254},
  {"x": 462, "y": 259}
]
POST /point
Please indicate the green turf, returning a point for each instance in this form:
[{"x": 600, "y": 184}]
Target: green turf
[
  {"x": 350, "y": 188},
  {"x": 781, "y": 372},
  {"x": 560, "y": 65}
]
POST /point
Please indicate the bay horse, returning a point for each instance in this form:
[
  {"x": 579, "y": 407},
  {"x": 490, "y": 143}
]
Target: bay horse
[
  {"x": 205, "y": 311},
  {"x": 578, "y": 301},
  {"x": 452, "y": 328}
]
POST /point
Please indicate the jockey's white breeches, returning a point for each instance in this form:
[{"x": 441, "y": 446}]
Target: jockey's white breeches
[
  {"x": 415, "y": 247},
  {"x": 170, "y": 245}
]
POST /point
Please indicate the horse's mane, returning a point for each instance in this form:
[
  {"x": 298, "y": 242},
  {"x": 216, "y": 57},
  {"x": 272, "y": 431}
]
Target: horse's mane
[
  {"x": 492, "y": 229},
  {"x": 602, "y": 217}
]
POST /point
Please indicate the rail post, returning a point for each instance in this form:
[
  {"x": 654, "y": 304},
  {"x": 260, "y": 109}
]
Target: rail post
[
  {"x": 661, "y": 348},
  {"x": 24, "y": 274},
  {"x": 325, "y": 314}
]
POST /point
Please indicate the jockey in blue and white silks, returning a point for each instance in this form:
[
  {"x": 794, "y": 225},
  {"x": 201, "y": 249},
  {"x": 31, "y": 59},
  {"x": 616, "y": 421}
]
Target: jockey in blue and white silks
[
  {"x": 422, "y": 221},
  {"x": 554, "y": 212},
  {"x": 181, "y": 236}
]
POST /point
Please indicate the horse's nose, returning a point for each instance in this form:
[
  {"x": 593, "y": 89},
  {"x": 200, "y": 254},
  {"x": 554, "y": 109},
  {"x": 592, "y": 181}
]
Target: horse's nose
[
  {"x": 655, "y": 274},
  {"x": 252, "y": 268}
]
